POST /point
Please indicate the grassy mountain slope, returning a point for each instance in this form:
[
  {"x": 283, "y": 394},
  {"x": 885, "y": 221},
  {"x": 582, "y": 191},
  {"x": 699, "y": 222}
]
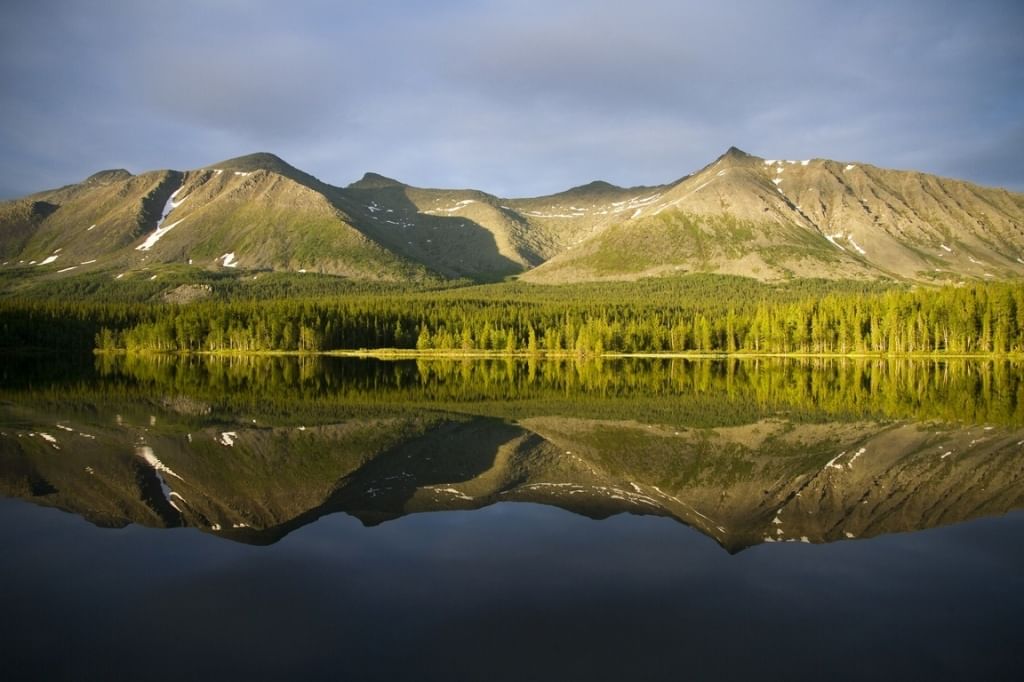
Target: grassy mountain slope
[
  {"x": 254, "y": 212},
  {"x": 741, "y": 215},
  {"x": 774, "y": 219}
]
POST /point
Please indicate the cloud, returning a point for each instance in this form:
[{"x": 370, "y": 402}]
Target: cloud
[{"x": 513, "y": 97}]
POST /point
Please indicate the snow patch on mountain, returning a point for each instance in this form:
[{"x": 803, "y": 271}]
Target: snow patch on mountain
[{"x": 152, "y": 239}]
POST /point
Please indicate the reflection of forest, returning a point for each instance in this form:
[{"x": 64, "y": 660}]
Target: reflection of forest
[
  {"x": 683, "y": 391},
  {"x": 746, "y": 451}
]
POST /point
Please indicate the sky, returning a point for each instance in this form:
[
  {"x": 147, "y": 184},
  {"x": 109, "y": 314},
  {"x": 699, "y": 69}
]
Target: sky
[{"x": 514, "y": 97}]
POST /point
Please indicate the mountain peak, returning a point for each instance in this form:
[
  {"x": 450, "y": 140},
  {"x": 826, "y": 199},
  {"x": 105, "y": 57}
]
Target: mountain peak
[
  {"x": 375, "y": 181},
  {"x": 269, "y": 162},
  {"x": 257, "y": 161},
  {"x": 736, "y": 154},
  {"x": 112, "y": 175},
  {"x": 595, "y": 187}
]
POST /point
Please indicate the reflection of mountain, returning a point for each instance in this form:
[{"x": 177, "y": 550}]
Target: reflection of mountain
[{"x": 773, "y": 479}]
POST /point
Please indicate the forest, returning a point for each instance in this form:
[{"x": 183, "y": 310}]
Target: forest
[{"x": 982, "y": 318}]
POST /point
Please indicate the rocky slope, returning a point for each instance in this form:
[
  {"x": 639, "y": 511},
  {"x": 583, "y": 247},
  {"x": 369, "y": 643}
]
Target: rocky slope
[{"x": 763, "y": 218}]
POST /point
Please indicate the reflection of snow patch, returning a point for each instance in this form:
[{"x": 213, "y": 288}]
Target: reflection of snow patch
[
  {"x": 146, "y": 453},
  {"x": 453, "y": 491},
  {"x": 849, "y": 465},
  {"x": 832, "y": 462},
  {"x": 228, "y": 438},
  {"x": 50, "y": 439}
]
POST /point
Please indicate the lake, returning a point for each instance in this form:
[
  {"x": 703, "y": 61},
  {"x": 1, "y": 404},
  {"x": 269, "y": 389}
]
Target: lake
[{"x": 326, "y": 518}]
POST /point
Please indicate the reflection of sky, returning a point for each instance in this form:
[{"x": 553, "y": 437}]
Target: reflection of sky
[
  {"x": 516, "y": 98},
  {"x": 514, "y": 591}
]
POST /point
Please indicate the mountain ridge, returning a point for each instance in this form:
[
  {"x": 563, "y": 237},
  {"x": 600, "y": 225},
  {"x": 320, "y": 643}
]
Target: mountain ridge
[{"x": 741, "y": 214}]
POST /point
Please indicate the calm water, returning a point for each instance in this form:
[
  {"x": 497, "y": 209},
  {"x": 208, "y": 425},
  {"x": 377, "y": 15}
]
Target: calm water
[{"x": 285, "y": 518}]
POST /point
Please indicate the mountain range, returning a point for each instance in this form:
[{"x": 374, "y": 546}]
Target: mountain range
[
  {"x": 767, "y": 481},
  {"x": 744, "y": 215}
]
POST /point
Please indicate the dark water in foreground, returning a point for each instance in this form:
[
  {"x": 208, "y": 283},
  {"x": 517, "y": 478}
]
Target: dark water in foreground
[{"x": 287, "y": 519}]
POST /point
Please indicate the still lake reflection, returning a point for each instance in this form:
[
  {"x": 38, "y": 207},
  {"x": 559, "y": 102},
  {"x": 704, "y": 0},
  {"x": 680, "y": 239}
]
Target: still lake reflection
[{"x": 262, "y": 518}]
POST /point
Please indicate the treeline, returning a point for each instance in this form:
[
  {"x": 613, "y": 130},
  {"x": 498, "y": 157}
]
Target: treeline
[
  {"x": 985, "y": 318},
  {"x": 982, "y": 318}
]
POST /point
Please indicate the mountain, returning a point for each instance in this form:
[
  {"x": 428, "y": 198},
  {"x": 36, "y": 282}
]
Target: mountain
[
  {"x": 763, "y": 218},
  {"x": 767, "y": 481}
]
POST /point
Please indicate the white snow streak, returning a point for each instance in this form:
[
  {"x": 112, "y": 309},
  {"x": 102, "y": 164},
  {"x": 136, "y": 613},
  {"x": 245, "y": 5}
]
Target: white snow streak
[
  {"x": 229, "y": 260},
  {"x": 49, "y": 439},
  {"x": 452, "y": 491},
  {"x": 849, "y": 239},
  {"x": 832, "y": 462},
  {"x": 832, "y": 239},
  {"x": 849, "y": 465},
  {"x": 146, "y": 453},
  {"x": 228, "y": 438},
  {"x": 48, "y": 260},
  {"x": 152, "y": 239}
]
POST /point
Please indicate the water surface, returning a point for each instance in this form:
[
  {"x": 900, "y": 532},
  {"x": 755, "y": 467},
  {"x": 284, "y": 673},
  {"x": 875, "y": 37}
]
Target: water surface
[{"x": 294, "y": 517}]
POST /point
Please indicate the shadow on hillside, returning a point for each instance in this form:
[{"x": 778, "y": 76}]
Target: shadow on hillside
[{"x": 454, "y": 246}]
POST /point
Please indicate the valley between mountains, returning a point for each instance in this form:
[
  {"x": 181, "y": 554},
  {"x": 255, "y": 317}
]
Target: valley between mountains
[{"x": 743, "y": 215}]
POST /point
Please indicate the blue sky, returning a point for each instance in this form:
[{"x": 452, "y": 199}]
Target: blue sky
[{"x": 514, "y": 97}]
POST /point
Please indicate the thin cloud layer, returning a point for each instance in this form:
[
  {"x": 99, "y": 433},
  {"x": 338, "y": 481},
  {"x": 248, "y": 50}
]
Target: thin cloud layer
[{"x": 516, "y": 98}]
